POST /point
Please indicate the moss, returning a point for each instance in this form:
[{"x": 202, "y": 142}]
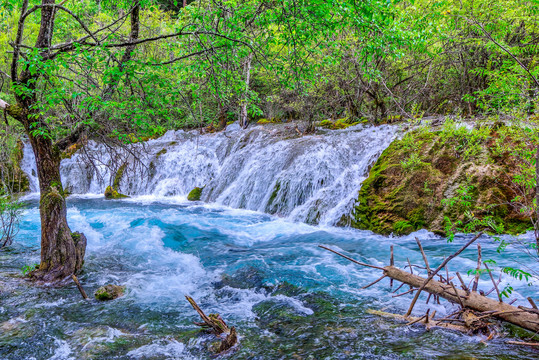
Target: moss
[
  {"x": 111, "y": 193},
  {"x": 337, "y": 124},
  {"x": 161, "y": 152},
  {"x": 274, "y": 192},
  {"x": 263, "y": 121},
  {"x": 109, "y": 292},
  {"x": 52, "y": 197},
  {"x": 70, "y": 151},
  {"x": 14, "y": 178},
  {"x": 400, "y": 198},
  {"x": 118, "y": 177},
  {"x": 194, "y": 195}
]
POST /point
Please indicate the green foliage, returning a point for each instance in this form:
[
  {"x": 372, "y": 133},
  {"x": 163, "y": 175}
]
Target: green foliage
[
  {"x": 411, "y": 163},
  {"x": 27, "y": 269}
]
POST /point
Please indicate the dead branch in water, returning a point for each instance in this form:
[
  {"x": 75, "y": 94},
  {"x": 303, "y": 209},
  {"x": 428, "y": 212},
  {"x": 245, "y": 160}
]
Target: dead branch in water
[
  {"x": 79, "y": 286},
  {"x": 214, "y": 324},
  {"x": 476, "y": 309}
]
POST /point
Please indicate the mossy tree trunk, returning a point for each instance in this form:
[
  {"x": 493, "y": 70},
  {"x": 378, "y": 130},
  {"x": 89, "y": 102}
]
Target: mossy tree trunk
[
  {"x": 536, "y": 220},
  {"x": 62, "y": 252}
]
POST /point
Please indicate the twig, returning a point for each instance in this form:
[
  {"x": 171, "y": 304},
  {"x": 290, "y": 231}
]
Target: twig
[
  {"x": 522, "y": 343},
  {"x": 493, "y": 282},
  {"x": 457, "y": 294},
  {"x": 352, "y": 260},
  {"x": 374, "y": 282},
  {"x": 478, "y": 270},
  {"x": 423, "y": 254},
  {"x": 429, "y": 278},
  {"x": 391, "y": 262},
  {"x": 427, "y": 316},
  {"x": 416, "y": 320},
  {"x": 530, "y": 300},
  {"x": 404, "y": 293},
  {"x": 464, "y": 287}
]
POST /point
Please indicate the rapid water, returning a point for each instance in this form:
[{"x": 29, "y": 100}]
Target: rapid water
[
  {"x": 265, "y": 275},
  {"x": 246, "y": 252},
  {"x": 312, "y": 179}
]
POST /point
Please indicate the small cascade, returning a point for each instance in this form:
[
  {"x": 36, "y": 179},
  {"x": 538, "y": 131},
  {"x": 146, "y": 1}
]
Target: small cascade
[
  {"x": 28, "y": 165},
  {"x": 312, "y": 179}
]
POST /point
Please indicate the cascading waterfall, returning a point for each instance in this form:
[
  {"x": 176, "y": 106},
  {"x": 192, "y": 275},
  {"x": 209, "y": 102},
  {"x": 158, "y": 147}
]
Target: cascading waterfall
[{"x": 313, "y": 179}]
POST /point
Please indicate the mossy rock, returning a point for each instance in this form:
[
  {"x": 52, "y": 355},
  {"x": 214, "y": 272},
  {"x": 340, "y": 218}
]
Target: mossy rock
[
  {"x": 109, "y": 292},
  {"x": 404, "y": 194},
  {"x": 337, "y": 124},
  {"x": 112, "y": 194},
  {"x": 194, "y": 195}
]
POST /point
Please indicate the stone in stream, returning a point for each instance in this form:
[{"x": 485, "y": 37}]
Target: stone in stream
[
  {"x": 245, "y": 278},
  {"x": 194, "y": 195},
  {"x": 109, "y": 292},
  {"x": 111, "y": 193}
]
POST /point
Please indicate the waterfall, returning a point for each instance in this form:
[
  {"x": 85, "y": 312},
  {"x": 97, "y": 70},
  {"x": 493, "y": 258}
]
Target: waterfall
[{"x": 313, "y": 179}]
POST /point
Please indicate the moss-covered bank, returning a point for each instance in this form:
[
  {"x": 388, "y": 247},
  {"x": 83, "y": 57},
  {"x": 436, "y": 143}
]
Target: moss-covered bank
[{"x": 472, "y": 169}]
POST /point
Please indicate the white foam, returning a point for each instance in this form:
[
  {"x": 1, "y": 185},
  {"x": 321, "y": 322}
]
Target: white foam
[
  {"x": 167, "y": 348},
  {"x": 62, "y": 351}
]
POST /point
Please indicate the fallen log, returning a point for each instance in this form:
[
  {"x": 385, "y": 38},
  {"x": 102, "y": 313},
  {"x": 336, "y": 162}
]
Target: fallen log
[
  {"x": 526, "y": 318},
  {"x": 474, "y": 301}
]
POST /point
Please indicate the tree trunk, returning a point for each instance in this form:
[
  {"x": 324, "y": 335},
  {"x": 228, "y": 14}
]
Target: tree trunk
[
  {"x": 536, "y": 222},
  {"x": 62, "y": 252},
  {"x": 243, "y": 112}
]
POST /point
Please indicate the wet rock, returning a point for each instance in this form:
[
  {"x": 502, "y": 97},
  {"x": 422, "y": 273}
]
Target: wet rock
[
  {"x": 287, "y": 289},
  {"x": 111, "y": 193},
  {"x": 277, "y": 315},
  {"x": 109, "y": 292},
  {"x": 194, "y": 195},
  {"x": 245, "y": 278}
]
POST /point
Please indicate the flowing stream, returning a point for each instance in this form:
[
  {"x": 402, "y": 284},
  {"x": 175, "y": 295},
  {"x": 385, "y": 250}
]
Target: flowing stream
[{"x": 241, "y": 253}]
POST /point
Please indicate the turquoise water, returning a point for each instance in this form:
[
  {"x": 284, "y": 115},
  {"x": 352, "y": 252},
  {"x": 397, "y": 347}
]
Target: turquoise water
[{"x": 288, "y": 298}]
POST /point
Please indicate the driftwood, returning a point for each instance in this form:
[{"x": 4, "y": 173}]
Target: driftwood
[
  {"x": 476, "y": 309},
  {"x": 410, "y": 320},
  {"x": 214, "y": 324},
  {"x": 79, "y": 286}
]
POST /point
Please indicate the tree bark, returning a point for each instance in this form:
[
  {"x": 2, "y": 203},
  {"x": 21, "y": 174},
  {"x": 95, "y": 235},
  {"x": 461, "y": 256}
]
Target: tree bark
[
  {"x": 243, "y": 112},
  {"x": 62, "y": 252},
  {"x": 536, "y": 222}
]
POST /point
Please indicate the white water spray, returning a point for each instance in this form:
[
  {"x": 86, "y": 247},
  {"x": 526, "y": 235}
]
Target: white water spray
[{"x": 313, "y": 179}]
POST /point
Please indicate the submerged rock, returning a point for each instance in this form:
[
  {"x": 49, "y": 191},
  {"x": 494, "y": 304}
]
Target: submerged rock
[
  {"x": 111, "y": 193},
  {"x": 245, "y": 278},
  {"x": 194, "y": 195},
  {"x": 109, "y": 292}
]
